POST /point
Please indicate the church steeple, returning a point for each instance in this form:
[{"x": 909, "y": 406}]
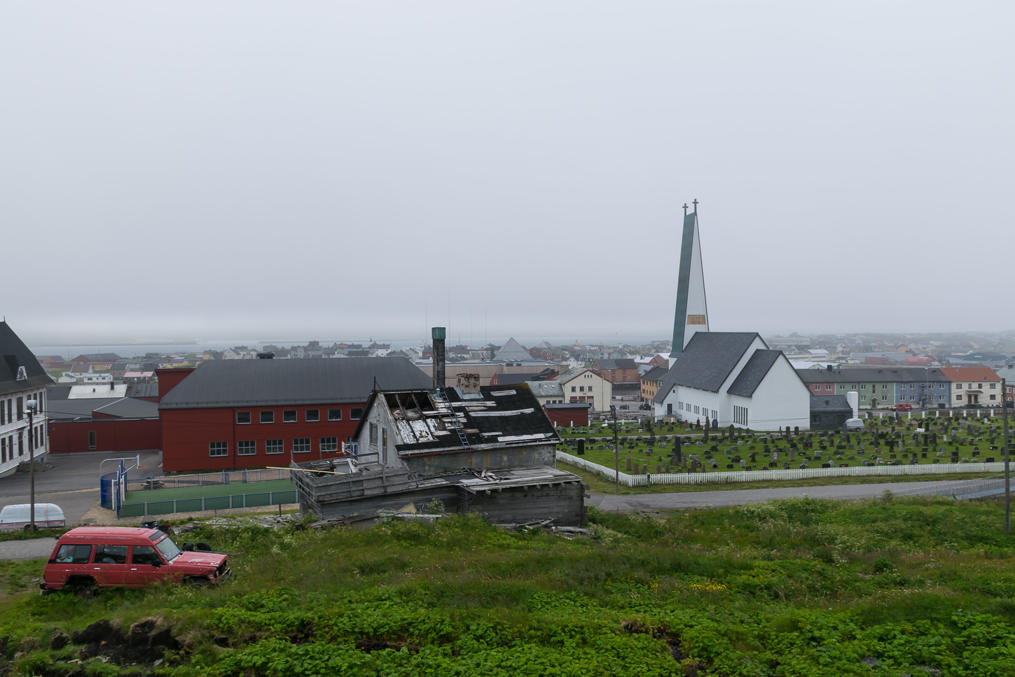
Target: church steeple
[{"x": 691, "y": 314}]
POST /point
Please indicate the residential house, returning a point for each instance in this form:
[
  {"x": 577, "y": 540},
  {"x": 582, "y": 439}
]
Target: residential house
[
  {"x": 733, "y": 378},
  {"x": 979, "y": 386},
  {"x": 22, "y": 379},
  {"x": 618, "y": 371},
  {"x": 586, "y": 385},
  {"x": 546, "y": 392},
  {"x": 1007, "y": 373},
  {"x": 650, "y": 382},
  {"x": 881, "y": 386}
]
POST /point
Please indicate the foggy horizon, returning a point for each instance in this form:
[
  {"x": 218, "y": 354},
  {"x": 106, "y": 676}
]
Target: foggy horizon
[{"x": 332, "y": 169}]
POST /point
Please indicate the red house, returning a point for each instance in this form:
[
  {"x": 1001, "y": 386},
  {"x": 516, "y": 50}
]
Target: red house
[{"x": 229, "y": 414}]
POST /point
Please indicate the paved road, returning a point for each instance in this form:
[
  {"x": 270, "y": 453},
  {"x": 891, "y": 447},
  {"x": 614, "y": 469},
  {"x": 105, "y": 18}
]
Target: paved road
[
  {"x": 72, "y": 483},
  {"x": 32, "y": 548},
  {"x": 843, "y": 492}
]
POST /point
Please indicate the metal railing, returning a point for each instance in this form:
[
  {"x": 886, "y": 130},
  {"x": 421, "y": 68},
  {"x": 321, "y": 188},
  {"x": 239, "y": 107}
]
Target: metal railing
[{"x": 205, "y": 479}]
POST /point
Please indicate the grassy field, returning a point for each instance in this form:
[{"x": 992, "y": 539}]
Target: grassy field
[
  {"x": 886, "y": 441},
  {"x": 797, "y": 587},
  {"x": 208, "y": 490}
]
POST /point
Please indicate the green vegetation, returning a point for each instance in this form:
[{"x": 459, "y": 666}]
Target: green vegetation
[
  {"x": 796, "y": 587},
  {"x": 886, "y": 441}
]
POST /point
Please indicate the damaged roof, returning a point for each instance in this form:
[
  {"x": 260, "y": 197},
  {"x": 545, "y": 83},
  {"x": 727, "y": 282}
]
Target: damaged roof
[{"x": 495, "y": 417}]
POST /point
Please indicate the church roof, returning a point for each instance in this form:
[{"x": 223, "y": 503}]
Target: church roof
[
  {"x": 512, "y": 351},
  {"x": 707, "y": 361},
  {"x": 751, "y": 376},
  {"x": 14, "y": 354}
]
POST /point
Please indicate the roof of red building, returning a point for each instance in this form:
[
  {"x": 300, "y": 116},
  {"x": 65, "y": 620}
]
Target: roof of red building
[
  {"x": 231, "y": 383},
  {"x": 970, "y": 374}
]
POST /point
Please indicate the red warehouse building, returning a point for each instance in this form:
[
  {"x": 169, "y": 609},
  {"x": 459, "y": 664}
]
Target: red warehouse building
[
  {"x": 103, "y": 424},
  {"x": 233, "y": 414}
]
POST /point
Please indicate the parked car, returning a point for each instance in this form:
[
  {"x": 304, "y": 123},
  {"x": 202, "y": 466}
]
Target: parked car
[
  {"x": 88, "y": 557},
  {"x": 18, "y": 516},
  {"x": 902, "y": 407},
  {"x": 853, "y": 425}
]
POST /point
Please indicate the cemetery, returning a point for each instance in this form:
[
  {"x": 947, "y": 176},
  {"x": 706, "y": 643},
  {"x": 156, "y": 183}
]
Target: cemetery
[{"x": 892, "y": 440}]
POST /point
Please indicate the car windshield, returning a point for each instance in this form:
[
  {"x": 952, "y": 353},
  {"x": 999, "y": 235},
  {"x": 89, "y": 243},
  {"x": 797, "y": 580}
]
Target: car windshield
[{"x": 168, "y": 549}]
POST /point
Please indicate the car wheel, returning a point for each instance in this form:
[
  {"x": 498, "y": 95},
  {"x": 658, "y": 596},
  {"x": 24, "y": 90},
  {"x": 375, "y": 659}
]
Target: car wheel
[
  {"x": 84, "y": 588},
  {"x": 198, "y": 581}
]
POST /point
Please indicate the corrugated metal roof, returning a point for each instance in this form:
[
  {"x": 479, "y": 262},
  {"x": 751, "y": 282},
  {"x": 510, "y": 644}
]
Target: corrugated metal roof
[
  {"x": 234, "y": 383},
  {"x": 130, "y": 408}
]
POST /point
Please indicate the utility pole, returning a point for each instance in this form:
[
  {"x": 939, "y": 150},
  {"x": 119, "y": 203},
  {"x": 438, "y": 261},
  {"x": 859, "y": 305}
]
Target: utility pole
[
  {"x": 30, "y": 406},
  {"x": 1007, "y": 474},
  {"x": 616, "y": 450}
]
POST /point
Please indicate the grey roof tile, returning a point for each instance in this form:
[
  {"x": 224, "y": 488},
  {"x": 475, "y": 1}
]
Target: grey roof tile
[
  {"x": 830, "y": 403},
  {"x": 873, "y": 375},
  {"x": 230, "y": 383},
  {"x": 754, "y": 372},
  {"x": 706, "y": 362},
  {"x": 13, "y": 354}
]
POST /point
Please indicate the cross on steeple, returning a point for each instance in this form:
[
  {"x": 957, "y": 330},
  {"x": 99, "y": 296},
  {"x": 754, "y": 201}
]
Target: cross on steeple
[
  {"x": 695, "y": 203},
  {"x": 685, "y": 209}
]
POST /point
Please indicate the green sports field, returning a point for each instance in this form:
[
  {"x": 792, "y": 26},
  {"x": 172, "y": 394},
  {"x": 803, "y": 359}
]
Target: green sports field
[
  {"x": 208, "y": 490},
  {"x": 207, "y": 497}
]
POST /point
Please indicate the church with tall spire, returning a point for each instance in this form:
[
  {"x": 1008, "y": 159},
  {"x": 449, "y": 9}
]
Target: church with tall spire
[
  {"x": 691, "y": 313},
  {"x": 723, "y": 378}
]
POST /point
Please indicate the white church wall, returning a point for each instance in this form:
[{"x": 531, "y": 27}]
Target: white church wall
[{"x": 780, "y": 400}]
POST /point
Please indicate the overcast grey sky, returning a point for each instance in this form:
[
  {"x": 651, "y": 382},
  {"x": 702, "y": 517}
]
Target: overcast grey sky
[{"x": 202, "y": 169}]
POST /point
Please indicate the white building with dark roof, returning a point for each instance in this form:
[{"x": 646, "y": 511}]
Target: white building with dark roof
[
  {"x": 22, "y": 379},
  {"x": 734, "y": 378}
]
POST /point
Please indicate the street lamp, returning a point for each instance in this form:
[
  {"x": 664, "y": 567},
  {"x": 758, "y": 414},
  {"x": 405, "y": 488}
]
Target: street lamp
[
  {"x": 616, "y": 450},
  {"x": 30, "y": 406}
]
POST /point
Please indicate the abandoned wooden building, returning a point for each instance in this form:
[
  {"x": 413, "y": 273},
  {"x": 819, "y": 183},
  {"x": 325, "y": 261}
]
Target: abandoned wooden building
[{"x": 483, "y": 449}]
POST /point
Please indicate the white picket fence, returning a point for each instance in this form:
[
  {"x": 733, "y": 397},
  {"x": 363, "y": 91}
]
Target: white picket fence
[{"x": 733, "y": 476}]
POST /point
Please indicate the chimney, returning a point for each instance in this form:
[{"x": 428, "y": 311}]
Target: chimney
[
  {"x": 438, "y": 334},
  {"x": 853, "y": 398},
  {"x": 468, "y": 384}
]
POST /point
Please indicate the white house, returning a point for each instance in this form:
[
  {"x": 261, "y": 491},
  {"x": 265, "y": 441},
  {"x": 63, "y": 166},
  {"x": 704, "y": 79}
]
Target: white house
[
  {"x": 734, "y": 378},
  {"x": 585, "y": 385},
  {"x": 22, "y": 378}
]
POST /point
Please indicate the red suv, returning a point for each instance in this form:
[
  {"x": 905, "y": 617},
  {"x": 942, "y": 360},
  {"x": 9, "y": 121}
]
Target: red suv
[
  {"x": 127, "y": 556},
  {"x": 902, "y": 407}
]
